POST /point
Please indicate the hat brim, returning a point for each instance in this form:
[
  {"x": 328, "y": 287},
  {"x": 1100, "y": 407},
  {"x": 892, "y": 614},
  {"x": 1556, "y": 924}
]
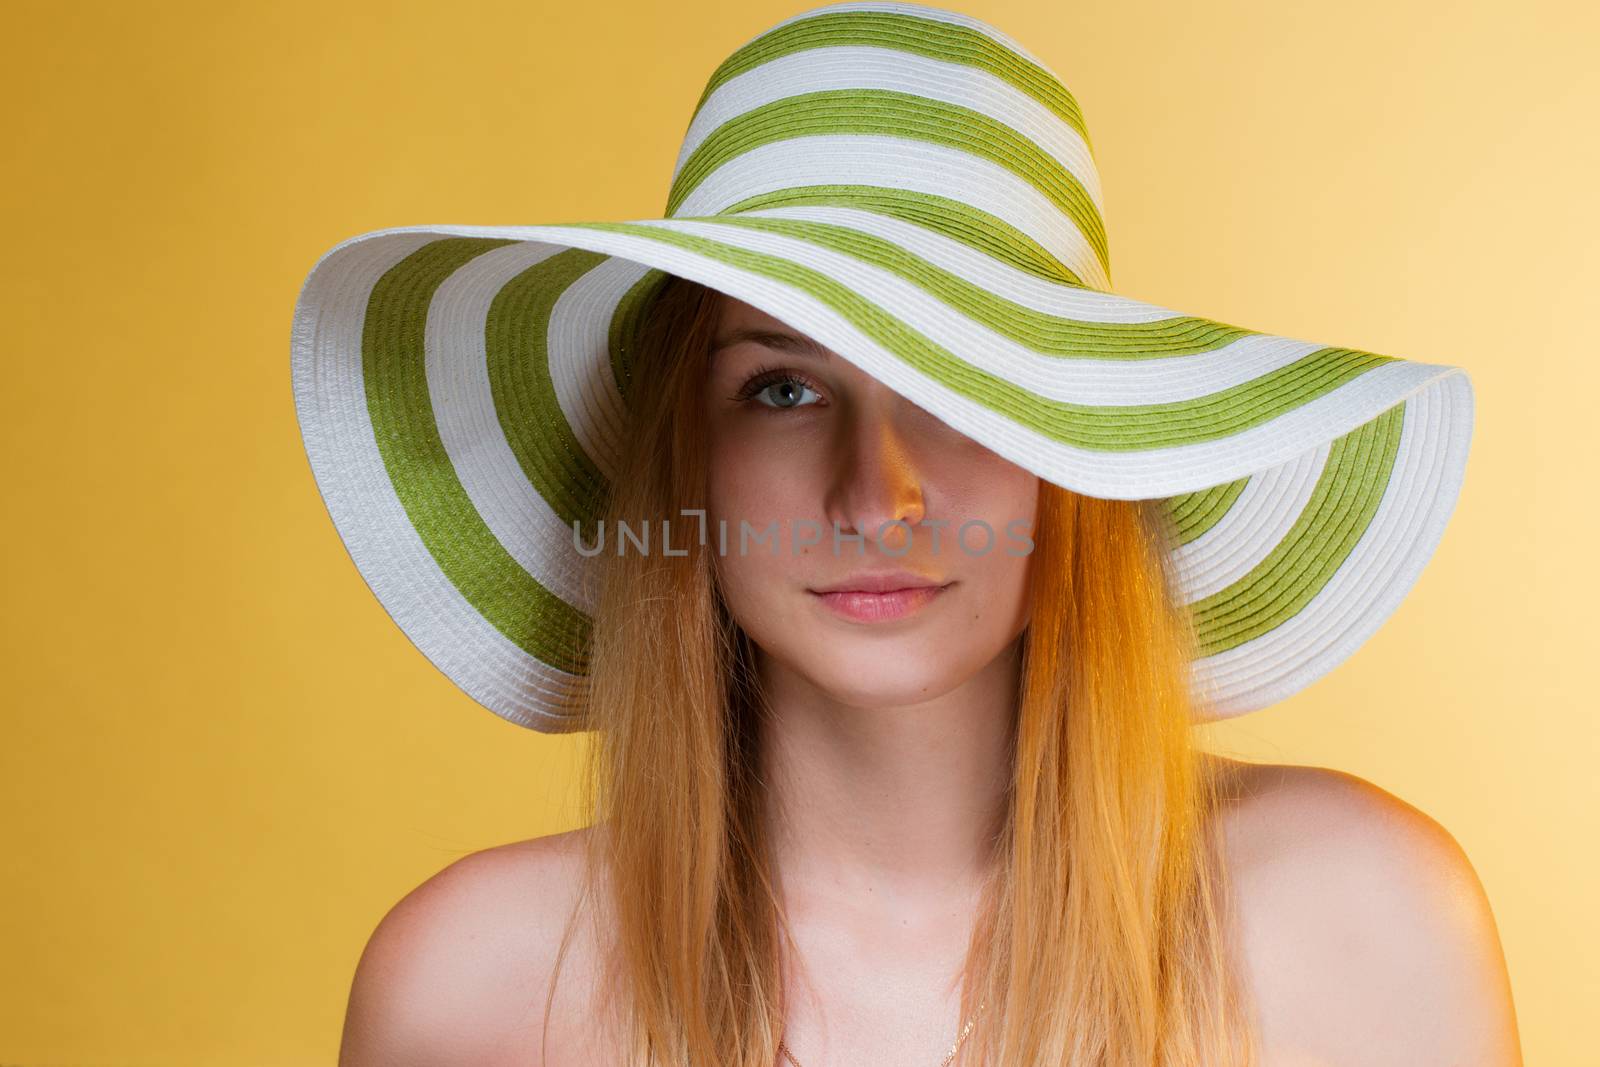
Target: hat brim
[{"x": 458, "y": 391}]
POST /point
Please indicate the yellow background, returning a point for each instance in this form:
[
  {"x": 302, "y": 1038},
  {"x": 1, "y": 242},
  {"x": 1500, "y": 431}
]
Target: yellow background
[{"x": 222, "y": 762}]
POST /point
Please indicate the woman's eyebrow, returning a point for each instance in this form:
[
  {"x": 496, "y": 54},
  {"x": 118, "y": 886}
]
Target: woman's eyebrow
[{"x": 797, "y": 344}]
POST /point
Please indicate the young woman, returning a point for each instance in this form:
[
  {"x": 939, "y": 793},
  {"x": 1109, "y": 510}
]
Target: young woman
[
  {"x": 892, "y": 759},
  {"x": 869, "y": 814}
]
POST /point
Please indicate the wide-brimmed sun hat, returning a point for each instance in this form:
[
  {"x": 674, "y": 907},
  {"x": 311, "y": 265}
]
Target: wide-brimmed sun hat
[{"x": 916, "y": 191}]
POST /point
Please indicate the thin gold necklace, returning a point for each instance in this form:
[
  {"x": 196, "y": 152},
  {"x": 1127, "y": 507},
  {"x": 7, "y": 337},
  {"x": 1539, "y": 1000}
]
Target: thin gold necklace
[{"x": 965, "y": 1030}]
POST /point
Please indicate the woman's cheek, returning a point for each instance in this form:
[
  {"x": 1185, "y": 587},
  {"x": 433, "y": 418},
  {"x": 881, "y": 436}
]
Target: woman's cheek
[{"x": 746, "y": 507}]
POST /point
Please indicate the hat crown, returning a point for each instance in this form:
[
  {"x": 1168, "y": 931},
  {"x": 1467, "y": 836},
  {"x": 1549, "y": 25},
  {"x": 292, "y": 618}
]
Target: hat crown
[{"x": 927, "y": 115}]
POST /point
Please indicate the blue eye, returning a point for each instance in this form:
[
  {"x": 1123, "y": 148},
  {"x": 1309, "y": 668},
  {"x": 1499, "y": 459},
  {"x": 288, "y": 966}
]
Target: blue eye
[{"x": 779, "y": 390}]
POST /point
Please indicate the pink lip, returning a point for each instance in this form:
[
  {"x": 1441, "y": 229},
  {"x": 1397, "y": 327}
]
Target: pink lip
[{"x": 863, "y": 605}]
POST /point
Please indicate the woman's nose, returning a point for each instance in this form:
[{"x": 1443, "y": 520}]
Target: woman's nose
[{"x": 877, "y": 483}]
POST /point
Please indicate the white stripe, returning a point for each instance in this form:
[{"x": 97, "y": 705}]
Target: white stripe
[
  {"x": 331, "y": 406},
  {"x": 1261, "y": 516},
  {"x": 896, "y": 163},
  {"x": 463, "y": 406},
  {"x": 1184, "y": 468},
  {"x": 580, "y": 359},
  {"x": 978, "y": 267},
  {"x": 864, "y": 67},
  {"x": 1381, "y": 569}
]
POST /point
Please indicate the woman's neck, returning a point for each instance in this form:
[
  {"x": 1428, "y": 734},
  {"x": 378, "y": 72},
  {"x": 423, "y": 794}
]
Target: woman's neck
[{"x": 892, "y": 805}]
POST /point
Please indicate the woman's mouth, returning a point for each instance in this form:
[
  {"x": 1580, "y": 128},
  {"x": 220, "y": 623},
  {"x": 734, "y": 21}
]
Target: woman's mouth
[{"x": 860, "y": 605}]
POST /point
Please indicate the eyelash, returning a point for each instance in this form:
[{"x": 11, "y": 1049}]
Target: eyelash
[{"x": 769, "y": 376}]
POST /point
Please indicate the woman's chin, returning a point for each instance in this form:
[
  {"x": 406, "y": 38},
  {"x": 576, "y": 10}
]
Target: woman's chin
[{"x": 889, "y": 679}]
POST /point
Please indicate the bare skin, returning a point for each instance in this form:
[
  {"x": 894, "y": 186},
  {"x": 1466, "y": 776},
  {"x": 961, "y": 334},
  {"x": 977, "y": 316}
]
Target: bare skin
[
  {"x": 1365, "y": 936},
  {"x": 1367, "y": 941}
]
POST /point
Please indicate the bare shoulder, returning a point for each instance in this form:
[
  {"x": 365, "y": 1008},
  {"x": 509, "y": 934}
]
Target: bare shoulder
[
  {"x": 459, "y": 969},
  {"x": 1365, "y": 933}
]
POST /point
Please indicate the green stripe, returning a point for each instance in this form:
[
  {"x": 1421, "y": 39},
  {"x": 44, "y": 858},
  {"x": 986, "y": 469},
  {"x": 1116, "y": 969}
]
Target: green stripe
[
  {"x": 1125, "y": 428},
  {"x": 625, "y": 326},
  {"x": 895, "y": 114},
  {"x": 905, "y": 33},
  {"x": 517, "y": 341},
  {"x": 1298, "y": 567},
  {"x": 1048, "y": 335},
  {"x": 978, "y": 230},
  {"x": 1195, "y": 513},
  {"x": 394, "y": 372}
]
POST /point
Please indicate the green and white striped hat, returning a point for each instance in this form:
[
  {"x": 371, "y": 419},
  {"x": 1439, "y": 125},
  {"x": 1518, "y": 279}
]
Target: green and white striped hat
[{"x": 914, "y": 190}]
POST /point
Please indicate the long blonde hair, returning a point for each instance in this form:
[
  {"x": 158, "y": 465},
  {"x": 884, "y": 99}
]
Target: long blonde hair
[{"x": 1102, "y": 937}]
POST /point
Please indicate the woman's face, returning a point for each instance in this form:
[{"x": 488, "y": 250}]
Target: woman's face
[{"x": 803, "y": 444}]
